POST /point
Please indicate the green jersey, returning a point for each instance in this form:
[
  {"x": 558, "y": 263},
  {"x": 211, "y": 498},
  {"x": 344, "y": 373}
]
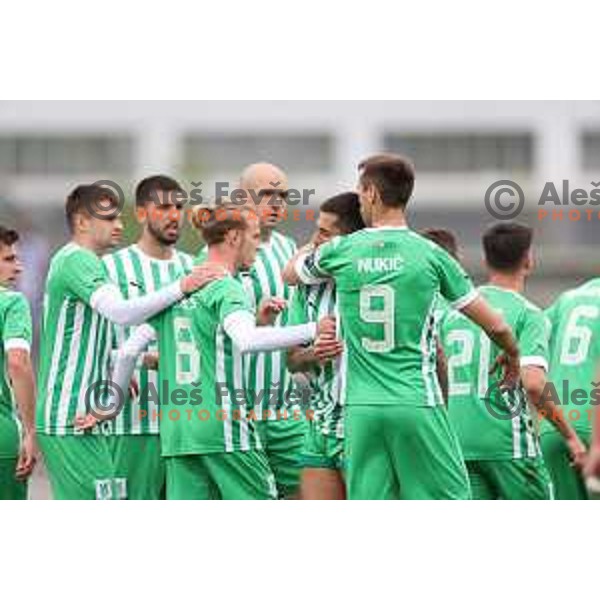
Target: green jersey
[
  {"x": 490, "y": 425},
  {"x": 575, "y": 353},
  {"x": 202, "y": 393},
  {"x": 15, "y": 333},
  {"x": 311, "y": 303},
  {"x": 267, "y": 375},
  {"x": 136, "y": 274},
  {"x": 75, "y": 340},
  {"x": 388, "y": 281}
]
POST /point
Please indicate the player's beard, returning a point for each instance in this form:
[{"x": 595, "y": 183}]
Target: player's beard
[{"x": 161, "y": 237}]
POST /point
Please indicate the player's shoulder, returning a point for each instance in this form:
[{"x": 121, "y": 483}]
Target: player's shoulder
[
  {"x": 425, "y": 247},
  {"x": 123, "y": 254},
  {"x": 9, "y": 299},
  {"x": 184, "y": 257},
  {"x": 285, "y": 241},
  {"x": 503, "y": 298},
  {"x": 220, "y": 289},
  {"x": 69, "y": 256}
]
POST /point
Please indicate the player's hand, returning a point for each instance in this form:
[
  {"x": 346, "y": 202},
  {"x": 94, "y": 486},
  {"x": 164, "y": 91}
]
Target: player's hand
[
  {"x": 269, "y": 309},
  {"x": 578, "y": 452},
  {"x": 289, "y": 274},
  {"x": 511, "y": 371},
  {"x": 326, "y": 348},
  {"x": 151, "y": 360},
  {"x": 202, "y": 275},
  {"x": 134, "y": 388},
  {"x": 28, "y": 456},
  {"x": 86, "y": 422},
  {"x": 326, "y": 328}
]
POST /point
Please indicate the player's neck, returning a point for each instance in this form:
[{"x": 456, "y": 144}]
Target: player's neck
[
  {"x": 389, "y": 218},
  {"x": 153, "y": 248},
  {"x": 508, "y": 281},
  {"x": 220, "y": 256},
  {"x": 265, "y": 234},
  {"x": 85, "y": 242}
]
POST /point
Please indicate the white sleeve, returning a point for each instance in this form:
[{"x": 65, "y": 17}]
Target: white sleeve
[
  {"x": 126, "y": 356},
  {"x": 17, "y": 344},
  {"x": 109, "y": 302},
  {"x": 241, "y": 327}
]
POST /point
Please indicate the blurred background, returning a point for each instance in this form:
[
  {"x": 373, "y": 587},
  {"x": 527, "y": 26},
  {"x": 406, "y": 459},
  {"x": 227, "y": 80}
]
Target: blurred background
[{"x": 459, "y": 149}]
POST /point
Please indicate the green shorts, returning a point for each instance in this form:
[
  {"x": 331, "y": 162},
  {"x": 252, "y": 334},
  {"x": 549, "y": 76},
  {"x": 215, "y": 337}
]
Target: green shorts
[
  {"x": 282, "y": 441},
  {"x": 81, "y": 467},
  {"x": 567, "y": 482},
  {"x": 221, "y": 476},
  {"x": 517, "y": 479},
  {"x": 321, "y": 451},
  {"x": 10, "y": 487},
  {"x": 137, "y": 459},
  {"x": 402, "y": 452}
]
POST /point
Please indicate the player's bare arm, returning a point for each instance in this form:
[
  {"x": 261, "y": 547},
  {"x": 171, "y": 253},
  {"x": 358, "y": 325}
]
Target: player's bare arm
[
  {"x": 534, "y": 382},
  {"x": 20, "y": 373},
  {"x": 290, "y": 275},
  {"x": 269, "y": 310},
  {"x": 500, "y": 333},
  {"x": 592, "y": 466},
  {"x": 442, "y": 369}
]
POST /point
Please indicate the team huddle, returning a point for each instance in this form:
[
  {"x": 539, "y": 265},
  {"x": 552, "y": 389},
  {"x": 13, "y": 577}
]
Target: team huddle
[{"x": 364, "y": 365}]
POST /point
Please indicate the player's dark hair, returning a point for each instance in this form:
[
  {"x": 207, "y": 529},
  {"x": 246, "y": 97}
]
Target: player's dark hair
[
  {"x": 444, "y": 238},
  {"x": 8, "y": 237},
  {"x": 85, "y": 198},
  {"x": 392, "y": 175},
  {"x": 505, "y": 245},
  {"x": 214, "y": 223},
  {"x": 146, "y": 189},
  {"x": 346, "y": 207}
]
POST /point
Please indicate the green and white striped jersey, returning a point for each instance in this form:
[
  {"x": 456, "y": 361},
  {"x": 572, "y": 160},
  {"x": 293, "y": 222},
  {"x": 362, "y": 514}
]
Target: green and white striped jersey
[
  {"x": 267, "y": 377},
  {"x": 15, "y": 333},
  {"x": 206, "y": 408},
  {"x": 490, "y": 425},
  {"x": 137, "y": 274},
  {"x": 75, "y": 340},
  {"x": 311, "y": 303}
]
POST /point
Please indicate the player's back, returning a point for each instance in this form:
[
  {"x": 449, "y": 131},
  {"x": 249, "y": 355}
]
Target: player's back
[
  {"x": 575, "y": 349},
  {"x": 389, "y": 282},
  {"x": 474, "y": 402}
]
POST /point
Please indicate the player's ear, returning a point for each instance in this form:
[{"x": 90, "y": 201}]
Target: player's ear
[
  {"x": 82, "y": 221},
  {"x": 529, "y": 262},
  {"x": 233, "y": 237},
  {"x": 141, "y": 214}
]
